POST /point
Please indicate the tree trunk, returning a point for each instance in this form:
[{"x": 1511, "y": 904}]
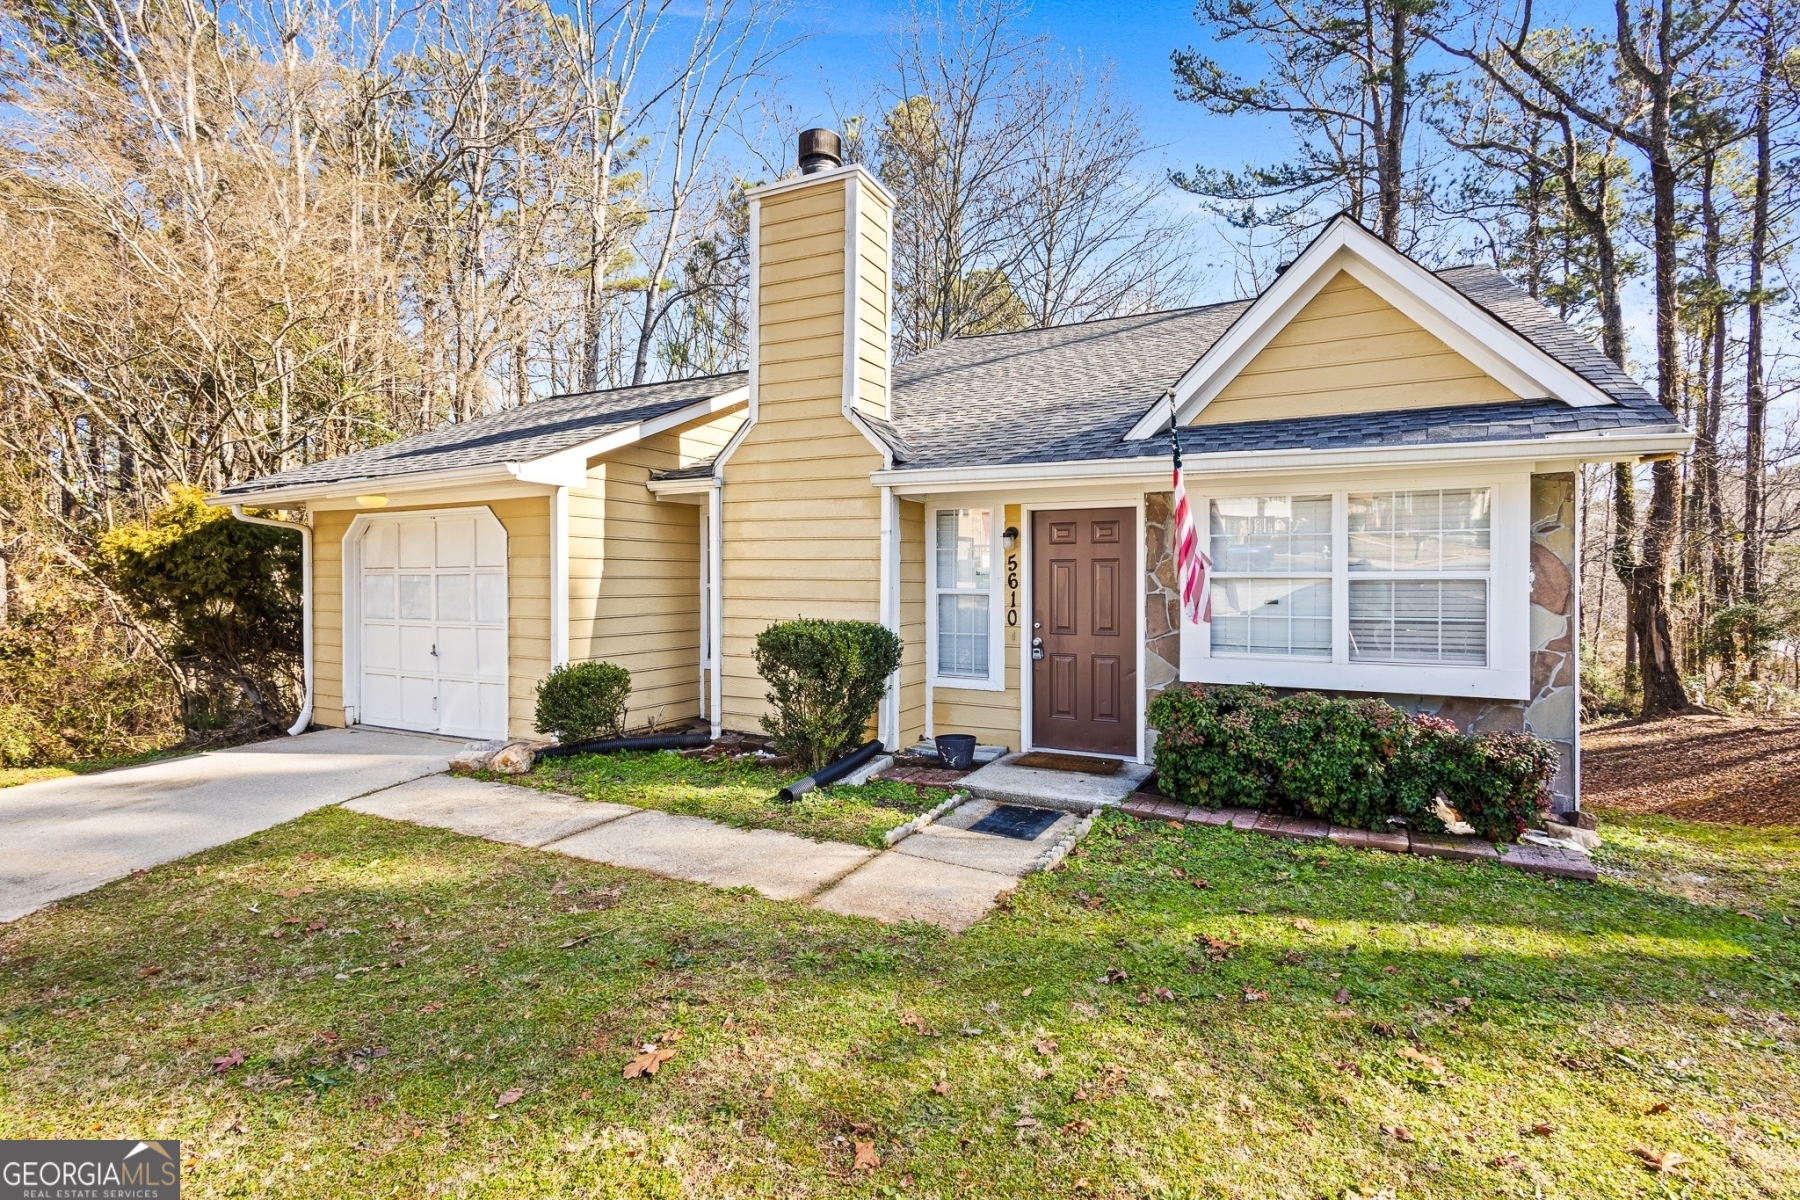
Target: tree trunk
[{"x": 1756, "y": 400}]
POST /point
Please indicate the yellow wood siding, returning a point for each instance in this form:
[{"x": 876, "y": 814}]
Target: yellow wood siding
[
  {"x": 873, "y": 227},
  {"x": 527, "y": 523},
  {"x": 703, "y": 442},
  {"x": 801, "y": 523},
  {"x": 912, "y": 622},
  {"x": 328, "y": 616},
  {"x": 1350, "y": 351},
  {"x": 634, "y": 580}
]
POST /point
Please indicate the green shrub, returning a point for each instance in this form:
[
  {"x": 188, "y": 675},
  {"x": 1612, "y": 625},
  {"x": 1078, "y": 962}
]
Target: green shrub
[
  {"x": 228, "y": 593},
  {"x": 581, "y": 701},
  {"x": 1355, "y": 762},
  {"x": 826, "y": 679}
]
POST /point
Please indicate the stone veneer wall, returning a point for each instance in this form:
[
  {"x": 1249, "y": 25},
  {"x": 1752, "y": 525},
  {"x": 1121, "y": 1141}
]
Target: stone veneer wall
[{"x": 1552, "y": 711}]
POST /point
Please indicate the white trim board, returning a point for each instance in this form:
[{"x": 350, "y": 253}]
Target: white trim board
[{"x": 1467, "y": 328}]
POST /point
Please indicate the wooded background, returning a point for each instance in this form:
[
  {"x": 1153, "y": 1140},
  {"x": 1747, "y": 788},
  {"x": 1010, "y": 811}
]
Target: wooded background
[{"x": 240, "y": 237}]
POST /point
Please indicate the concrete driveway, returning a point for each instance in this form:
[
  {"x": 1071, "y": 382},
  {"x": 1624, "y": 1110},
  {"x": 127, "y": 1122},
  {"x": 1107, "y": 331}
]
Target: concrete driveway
[{"x": 65, "y": 836}]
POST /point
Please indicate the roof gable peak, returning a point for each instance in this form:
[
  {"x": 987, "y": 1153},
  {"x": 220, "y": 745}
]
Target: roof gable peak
[{"x": 1345, "y": 247}]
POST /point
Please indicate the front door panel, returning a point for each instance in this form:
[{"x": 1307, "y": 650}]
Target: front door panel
[{"x": 1084, "y": 608}]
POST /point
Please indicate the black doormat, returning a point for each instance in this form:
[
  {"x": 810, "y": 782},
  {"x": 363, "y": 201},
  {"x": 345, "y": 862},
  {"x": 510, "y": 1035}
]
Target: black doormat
[{"x": 1016, "y": 821}]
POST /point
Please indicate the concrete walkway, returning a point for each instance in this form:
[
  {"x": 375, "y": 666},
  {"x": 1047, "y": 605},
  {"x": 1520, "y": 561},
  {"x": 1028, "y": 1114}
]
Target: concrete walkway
[
  {"x": 65, "y": 836},
  {"x": 946, "y": 874}
]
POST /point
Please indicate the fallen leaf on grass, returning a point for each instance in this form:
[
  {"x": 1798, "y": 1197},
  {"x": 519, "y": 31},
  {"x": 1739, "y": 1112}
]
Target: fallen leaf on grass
[
  {"x": 1079, "y": 1127},
  {"x": 649, "y": 1062},
  {"x": 1304, "y": 925},
  {"x": 1744, "y": 912},
  {"x": 428, "y": 1009},
  {"x": 1045, "y": 1046},
  {"x": 315, "y": 926},
  {"x": 1661, "y": 1106},
  {"x": 1202, "y": 884},
  {"x": 1543, "y": 1129},
  {"x": 234, "y": 1058},
  {"x": 147, "y": 972},
  {"x": 1025, "y": 1123},
  {"x": 1114, "y": 975},
  {"x": 1399, "y": 1133},
  {"x": 1178, "y": 873},
  {"x": 866, "y": 1158},
  {"x": 1218, "y": 949},
  {"x": 941, "y": 1087},
  {"x": 1429, "y": 1062},
  {"x": 574, "y": 942},
  {"x": 1659, "y": 1160},
  {"x": 1025, "y": 993},
  {"x": 1251, "y": 995},
  {"x": 1507, "y": 1162},
  {"x": 509, "y": 1096},
  {"x": 293, "y": 893},
  {"x": 1382, "y": 1028},
  {"x": 916, "y": 1023},
  {"x": 1342, "y": 996}
]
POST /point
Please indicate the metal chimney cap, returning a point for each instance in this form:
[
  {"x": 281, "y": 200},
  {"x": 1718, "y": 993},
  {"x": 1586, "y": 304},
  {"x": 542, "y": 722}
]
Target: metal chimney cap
[{"x": 820, "y": 150}]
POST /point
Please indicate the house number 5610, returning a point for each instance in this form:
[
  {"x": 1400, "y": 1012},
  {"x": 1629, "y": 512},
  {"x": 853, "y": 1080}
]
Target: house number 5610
[{"x": 1012, "y": 590}]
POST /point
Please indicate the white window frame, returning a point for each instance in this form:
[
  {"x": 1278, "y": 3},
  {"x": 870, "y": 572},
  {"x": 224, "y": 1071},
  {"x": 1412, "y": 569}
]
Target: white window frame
[
  {"x": 995, "y": 680},
  {"x": 1506, "y": 676}
]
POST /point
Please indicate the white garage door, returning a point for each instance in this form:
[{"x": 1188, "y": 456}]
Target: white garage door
[{"x": 433, "y": 654}]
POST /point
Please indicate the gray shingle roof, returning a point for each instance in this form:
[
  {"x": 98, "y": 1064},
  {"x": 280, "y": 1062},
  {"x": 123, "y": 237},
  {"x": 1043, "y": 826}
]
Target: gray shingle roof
[
  {"x": 515, "y": 435},
  {"x": 1070, "y": 393}
]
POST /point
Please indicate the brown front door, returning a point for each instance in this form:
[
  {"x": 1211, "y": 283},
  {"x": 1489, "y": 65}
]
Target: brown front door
[{"x": 1083, "y": 642}]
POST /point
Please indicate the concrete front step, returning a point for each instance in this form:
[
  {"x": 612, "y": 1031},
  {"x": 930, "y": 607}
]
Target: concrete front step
[{"x": 1005, "y": 782}]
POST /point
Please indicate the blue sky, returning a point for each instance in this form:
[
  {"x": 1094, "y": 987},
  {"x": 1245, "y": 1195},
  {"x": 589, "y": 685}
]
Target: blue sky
[{"x": 846, "y": 55}]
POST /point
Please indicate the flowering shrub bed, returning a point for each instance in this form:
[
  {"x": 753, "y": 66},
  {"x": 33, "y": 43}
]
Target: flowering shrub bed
[{"x": 1353, "y": 762}]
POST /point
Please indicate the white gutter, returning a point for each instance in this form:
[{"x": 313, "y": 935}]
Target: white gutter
[
  {"x": 564, "y": 468},
  {"x": 1147, "y": 468},
  {"x": 306, "y": 610}
]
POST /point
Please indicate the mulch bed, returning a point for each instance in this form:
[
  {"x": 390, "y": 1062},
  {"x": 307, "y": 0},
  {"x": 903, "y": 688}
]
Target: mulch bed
[{"x": 1736, "y": 770}]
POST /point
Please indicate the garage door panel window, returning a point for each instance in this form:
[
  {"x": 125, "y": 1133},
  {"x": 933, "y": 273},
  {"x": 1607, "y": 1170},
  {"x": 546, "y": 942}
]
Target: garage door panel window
[
  {"x": 454, "y": 599},
  {"x": 378, "y": 597},
  {"x": 415, "y": 597}
]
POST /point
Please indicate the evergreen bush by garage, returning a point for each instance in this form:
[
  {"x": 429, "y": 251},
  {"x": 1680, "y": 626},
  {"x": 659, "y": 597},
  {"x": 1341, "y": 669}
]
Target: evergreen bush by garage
[
  {"x": 1354, "y": 762},
  {"x": 826, "y": 679},
  {"x": 581, "y": 701}
]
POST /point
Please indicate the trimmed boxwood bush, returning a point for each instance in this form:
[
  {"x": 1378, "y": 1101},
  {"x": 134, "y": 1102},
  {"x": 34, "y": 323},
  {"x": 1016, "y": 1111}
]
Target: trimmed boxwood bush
[
  {"x": 582, "y": 701},
  {"x": 1355, "y": 762},
  {"x": 826, "y": 679}
]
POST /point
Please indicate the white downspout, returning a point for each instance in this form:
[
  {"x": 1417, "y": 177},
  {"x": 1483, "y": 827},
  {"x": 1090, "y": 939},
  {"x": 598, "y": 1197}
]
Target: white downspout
[
  {"x": 890, "y": 611},
  {"x": 715, "y": 549},
  {"x": 559, "y": 578},
  {"x": 306, "y": 610}
]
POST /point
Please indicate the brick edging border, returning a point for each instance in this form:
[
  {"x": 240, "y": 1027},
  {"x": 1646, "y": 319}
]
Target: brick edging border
[{"x": 1538, "y": 860}]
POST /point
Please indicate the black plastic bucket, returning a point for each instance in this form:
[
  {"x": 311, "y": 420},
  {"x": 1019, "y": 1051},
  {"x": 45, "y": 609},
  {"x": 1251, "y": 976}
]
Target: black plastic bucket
[{"x": 957, "y": 750}]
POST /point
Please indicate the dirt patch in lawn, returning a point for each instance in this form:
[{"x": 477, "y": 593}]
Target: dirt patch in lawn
[{"x": 1702, "y": 768}]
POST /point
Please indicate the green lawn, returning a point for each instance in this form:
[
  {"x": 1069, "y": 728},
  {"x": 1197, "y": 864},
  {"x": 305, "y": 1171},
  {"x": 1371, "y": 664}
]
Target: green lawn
[
  {"x": 734, "y": 793},
  {"x": 446, "y": 973}
]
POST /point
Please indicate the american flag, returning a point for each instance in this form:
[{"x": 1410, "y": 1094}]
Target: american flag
[{"x": 1192, "y": 568}]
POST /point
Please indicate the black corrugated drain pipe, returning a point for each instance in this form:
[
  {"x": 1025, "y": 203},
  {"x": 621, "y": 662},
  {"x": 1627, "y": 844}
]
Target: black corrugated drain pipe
[
  {"x": 831, "y": 774},
  {"x": 661, "y": 741}
]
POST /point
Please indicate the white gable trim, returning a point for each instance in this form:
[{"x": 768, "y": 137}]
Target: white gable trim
[{"x": 1453, "y": 318}]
